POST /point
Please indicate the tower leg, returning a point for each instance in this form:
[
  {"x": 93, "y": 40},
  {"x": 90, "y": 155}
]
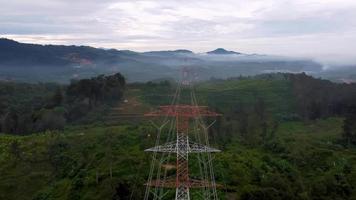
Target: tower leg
[{"x": 182, "y": 179}]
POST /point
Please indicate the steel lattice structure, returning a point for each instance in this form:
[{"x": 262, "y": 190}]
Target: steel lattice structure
[{"x": 183, "y": 116}]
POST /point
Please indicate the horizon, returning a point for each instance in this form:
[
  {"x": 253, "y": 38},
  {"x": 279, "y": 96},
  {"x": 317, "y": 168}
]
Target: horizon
[{"x": 79, "y": 45}]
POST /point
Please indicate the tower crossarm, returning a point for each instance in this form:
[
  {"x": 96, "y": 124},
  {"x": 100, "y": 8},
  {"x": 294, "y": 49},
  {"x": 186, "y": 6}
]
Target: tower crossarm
[
  {"x": 172, "y": 183},
  {"x": 193, "y": 147},
  {"x": 187, "y": 111},
  {"x": 199, "y": 148},
  {"x": 165, "y": 148}
]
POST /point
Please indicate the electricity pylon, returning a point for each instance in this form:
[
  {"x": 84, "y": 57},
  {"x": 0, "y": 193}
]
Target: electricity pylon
[{"x": 183, "y": 117}]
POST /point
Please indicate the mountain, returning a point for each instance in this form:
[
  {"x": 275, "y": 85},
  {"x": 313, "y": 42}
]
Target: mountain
[
  {"x": 222, "y": 51},
  {"x": 15, "y": 53},
  {"x": 59, "y": 63}
]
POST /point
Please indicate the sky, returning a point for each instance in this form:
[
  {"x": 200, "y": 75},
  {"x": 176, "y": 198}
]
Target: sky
[{"x": 321, "y": 29}]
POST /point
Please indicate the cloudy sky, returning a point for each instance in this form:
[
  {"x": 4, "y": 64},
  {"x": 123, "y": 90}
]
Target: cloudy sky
[{"x": 315, "y": 28}]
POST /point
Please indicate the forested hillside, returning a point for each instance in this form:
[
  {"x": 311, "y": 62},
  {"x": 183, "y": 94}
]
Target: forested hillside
[{"x": 282, "y": 136}]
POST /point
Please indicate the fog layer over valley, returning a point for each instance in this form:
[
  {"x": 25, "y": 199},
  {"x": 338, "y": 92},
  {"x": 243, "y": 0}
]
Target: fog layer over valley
[{"x": 57, "y": 63}]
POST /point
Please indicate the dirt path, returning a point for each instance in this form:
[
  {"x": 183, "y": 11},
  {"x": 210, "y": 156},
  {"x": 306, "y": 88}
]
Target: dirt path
[{"x": 129, "y": 109}]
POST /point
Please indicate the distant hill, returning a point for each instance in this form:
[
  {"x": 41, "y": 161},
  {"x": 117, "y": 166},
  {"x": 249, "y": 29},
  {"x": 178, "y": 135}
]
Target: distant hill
[
  {"x": 222, "y": 51},
  {"x": 15, "y": 53},
  {"x": 59, "y": 63}
]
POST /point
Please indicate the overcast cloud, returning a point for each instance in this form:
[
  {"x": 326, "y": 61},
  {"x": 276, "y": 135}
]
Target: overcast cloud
[{"x": 323, "y": 29}]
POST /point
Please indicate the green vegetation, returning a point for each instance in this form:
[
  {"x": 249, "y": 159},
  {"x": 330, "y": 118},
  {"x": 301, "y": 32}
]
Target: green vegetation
[
  {"x": 275, "y": 144},
  {"x": 226, "y": 94},
  {"x": 303, "y": 161},
  {"x": 72, "y": 163},
  {"x": 28, "y": 108}
]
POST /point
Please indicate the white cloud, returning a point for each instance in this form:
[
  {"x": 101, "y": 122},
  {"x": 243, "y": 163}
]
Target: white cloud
[{"x": 288, "y": 27}]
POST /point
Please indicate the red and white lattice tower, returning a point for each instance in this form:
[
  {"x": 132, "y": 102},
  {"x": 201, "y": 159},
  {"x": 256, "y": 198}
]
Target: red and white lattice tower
[{"x": 186, "y": 121}]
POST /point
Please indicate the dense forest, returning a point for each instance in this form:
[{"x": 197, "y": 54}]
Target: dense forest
[
  {"x": 28, "y": 108},
  {"x": 282, "y": 136},
  {"x": 269, "y": 99}
]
